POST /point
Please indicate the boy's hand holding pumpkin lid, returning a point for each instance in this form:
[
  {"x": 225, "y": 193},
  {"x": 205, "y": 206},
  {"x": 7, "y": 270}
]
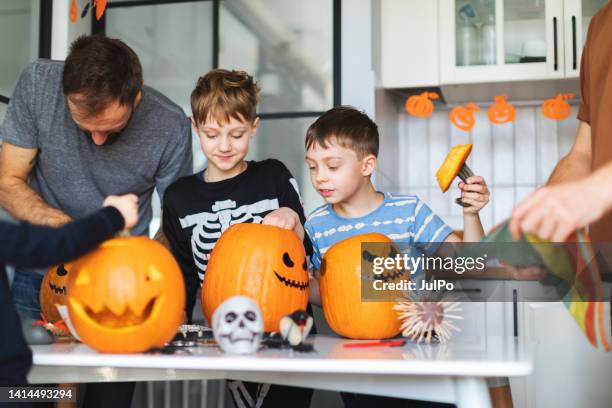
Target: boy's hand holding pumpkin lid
[{"x": 454, "y": 165}]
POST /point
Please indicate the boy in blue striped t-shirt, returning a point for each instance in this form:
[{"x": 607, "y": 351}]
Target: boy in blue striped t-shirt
[{"x": 341, "y": 152}]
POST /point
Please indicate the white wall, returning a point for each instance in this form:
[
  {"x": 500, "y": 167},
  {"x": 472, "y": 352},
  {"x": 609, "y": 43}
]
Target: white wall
[
  {"x": 357, "y": 73},
  {"x": 63, "y": 31}
]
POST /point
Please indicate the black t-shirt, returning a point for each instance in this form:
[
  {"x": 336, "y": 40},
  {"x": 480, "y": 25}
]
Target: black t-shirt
[{"x": 196, "y": 213}]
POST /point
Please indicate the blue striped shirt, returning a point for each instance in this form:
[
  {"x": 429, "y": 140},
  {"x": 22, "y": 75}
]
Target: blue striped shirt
[{"x": 403, "y": 218}]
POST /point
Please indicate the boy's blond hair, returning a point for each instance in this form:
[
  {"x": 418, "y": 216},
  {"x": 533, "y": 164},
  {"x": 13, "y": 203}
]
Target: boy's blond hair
[
  {"x": 347, "y": 127},
  {"x": 222, "y": 95}
]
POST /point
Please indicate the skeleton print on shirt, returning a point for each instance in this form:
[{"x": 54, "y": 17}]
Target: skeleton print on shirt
[{"x": 208, "y": 226}]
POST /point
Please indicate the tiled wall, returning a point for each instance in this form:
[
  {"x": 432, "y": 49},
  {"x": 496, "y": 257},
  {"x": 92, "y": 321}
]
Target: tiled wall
[{"x": 513, "y": 158}]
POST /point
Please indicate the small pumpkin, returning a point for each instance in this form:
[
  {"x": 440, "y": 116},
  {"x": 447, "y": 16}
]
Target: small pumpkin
[
  {"x": 53, "y": 290},
  {"x": 421, "y": 105},
  {"x": 340, "y": 285},
  {"x": 557, "y": 108},
  {"x": 453, "y": 165},
  {"x": 262, "y": 262},
  {"x": 463, "y": 116},
  {"x": 126, "y": 296},
  {"x": 501, "y": 111}
]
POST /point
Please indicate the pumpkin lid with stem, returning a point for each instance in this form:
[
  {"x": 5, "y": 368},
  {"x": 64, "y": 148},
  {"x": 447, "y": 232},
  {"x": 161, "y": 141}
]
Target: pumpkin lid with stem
[{"x": 453, "y": 165}]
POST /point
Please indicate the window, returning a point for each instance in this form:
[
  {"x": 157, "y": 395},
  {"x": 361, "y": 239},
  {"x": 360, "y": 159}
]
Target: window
[
  {"x": 23, "y": 23},
  {"x": 291, "y": 47}
]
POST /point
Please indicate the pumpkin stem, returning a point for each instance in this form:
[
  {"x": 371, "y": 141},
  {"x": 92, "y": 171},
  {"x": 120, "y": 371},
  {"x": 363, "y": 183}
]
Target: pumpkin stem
[{"x": 126, "y": 233}]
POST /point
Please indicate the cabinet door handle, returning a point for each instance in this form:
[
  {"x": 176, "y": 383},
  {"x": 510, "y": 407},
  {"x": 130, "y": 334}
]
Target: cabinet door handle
[
  {"x": 515, "y": 312},
  {"x": 556, "y": 62},
  {"x": 574, "y": 50}
]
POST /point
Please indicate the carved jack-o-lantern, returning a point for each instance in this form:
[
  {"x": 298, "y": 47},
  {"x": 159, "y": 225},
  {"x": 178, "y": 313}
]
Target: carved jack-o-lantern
[
  {"x": 262, "y": 262},
  {"x": 341, "y": 283},
  {"x": 501, "y": 111},
  {"x": 557, "y": 108},
  {"x": 463, "y": 116},
  {"x": 126, "y": 296},
  {"x": 421, "y": 105},
  {"x": 53, "y": 291}
]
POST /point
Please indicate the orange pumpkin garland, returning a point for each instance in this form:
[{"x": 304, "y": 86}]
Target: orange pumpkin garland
[
  {"x": 463, "y": 116},
  {"x": 100, "y": 7},
  {"x": 262, "y": 262},
  {"x": 501, "y": 111},
  {"x": 557, "y": 108},
  {"x": 126, "y": 296},
  {"x": 421, "y": 105},
  {"x": 340, "y": 285},
  {"x": 74, "y": 11}
]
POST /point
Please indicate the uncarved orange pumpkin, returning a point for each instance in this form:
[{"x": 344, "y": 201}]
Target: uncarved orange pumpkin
[
  {"x": 501, "y": 111},
  {"x": 463, "y": 116},
  {"x": 421, "y": 105},
  {"x": 340, "y": 285},
  {"x": 557, "y": 108},
  {"x": 263, "y": 262},
  {"x": 53, "y": 291},
  {"x": 126, "y": 296}
]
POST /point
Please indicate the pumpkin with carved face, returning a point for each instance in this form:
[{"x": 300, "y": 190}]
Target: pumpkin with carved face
[
  {"x": 262, "y": 262},
  {"x": 53, "y": 291},
  {"x": 126, "y": 296},
  {"x": 340, "y": 284}
]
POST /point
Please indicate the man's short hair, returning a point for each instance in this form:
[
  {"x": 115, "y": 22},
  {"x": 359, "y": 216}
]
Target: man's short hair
[
  {"x": 223, "y": 94},
  {"x": 101, "y": 70},
  {"x": 347, "y": 127}
]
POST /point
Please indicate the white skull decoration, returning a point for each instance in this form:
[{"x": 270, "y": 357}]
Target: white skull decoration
[{"x": 238, "y": 325}]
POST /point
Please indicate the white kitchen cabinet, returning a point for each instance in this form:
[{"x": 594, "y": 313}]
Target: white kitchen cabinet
[
  {"x": 408, "y": 43},
  {"x": 500, "y": 40},
  {"x": 512, "y": 40},
  {"x": 448, "y": 42}
]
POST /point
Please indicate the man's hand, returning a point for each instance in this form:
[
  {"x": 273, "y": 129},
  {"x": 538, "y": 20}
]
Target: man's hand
[
  {"x": 553, "y": 213},
  {"x": 525, "y": 273}
]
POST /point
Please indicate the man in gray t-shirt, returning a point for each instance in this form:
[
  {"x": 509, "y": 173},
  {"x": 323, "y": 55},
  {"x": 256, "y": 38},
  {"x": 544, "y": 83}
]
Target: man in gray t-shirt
[{"x": 82, "y": 130}]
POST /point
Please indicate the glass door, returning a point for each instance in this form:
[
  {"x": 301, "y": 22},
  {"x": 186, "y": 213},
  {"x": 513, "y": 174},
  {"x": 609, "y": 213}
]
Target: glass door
[
  {"x": 525, "y": 32},
  {"x": 19, "y": 42}
]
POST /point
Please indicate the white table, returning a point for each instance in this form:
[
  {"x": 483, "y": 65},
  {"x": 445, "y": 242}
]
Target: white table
[{"x": 453, "y": 373}]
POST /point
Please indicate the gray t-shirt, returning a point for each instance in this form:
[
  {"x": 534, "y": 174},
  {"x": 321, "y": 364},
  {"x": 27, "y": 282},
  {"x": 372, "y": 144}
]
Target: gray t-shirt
[{"x": 72, "y": 173}]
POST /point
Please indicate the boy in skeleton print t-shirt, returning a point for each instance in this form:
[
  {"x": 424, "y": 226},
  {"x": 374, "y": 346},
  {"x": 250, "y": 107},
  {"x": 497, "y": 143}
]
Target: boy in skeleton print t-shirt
[{"x": 197, "y": 209}]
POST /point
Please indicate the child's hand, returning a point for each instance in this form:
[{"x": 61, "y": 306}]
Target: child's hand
[
  {"x": 283, "y": 217},
  {"x": 475, "y": 193},
  {"x": 127, "y": 206}
]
